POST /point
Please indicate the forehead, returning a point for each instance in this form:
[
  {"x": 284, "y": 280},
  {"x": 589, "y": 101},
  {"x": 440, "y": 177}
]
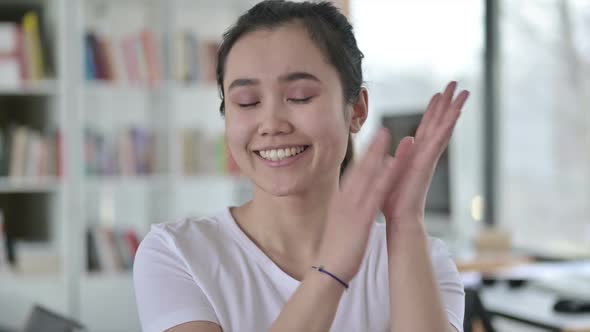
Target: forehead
[{"x": 269, "y": 53}]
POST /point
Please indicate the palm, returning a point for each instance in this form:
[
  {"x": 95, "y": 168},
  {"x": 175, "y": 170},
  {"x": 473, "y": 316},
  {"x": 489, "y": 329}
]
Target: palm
[{"x": 416, "y": 159}]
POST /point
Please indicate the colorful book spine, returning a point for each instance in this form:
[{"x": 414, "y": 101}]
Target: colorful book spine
[{"x": 33, "y": 48}]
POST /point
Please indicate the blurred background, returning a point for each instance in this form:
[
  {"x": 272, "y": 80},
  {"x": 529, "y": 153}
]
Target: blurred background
[{"x": 109, "y": 123}]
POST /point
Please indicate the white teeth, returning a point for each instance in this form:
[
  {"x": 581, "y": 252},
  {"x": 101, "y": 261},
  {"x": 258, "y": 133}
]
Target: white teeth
[{"x": 279, "y": 154}]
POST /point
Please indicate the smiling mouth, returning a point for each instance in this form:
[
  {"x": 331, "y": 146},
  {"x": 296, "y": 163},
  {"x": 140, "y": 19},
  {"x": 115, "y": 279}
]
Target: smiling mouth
[{"x": 281, "y": 154}]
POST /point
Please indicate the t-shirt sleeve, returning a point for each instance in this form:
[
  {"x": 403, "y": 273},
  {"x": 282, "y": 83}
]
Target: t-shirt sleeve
[
  {"x": 166, "y": 293},
  {"x": 449, "y": 283}
]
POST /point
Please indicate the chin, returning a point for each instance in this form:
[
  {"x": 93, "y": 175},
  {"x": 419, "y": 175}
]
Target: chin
[{"x": 280, "y": 188}]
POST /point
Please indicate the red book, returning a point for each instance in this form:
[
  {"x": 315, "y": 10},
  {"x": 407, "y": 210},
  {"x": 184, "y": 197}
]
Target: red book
[
  {"x": 132, "y": 242},
  {"x": 20, "y": 53},
  {"x": 130, "y": 59},
  {"x": 151, "y": 55},
  {"x": 58, "y": 154}
]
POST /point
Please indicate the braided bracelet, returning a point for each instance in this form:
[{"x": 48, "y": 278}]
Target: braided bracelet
[{"x": 321, "y": 269}]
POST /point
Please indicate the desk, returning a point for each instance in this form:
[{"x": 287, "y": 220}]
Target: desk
[{"x": 531, "y": 306}]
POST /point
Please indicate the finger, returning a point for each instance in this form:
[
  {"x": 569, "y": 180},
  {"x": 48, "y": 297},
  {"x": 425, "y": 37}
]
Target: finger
[
  {"x": 450, "y": 120},
  {"x": 442, "y": 107},
  {"x": 374, "y": 161},
  {"x": 404, "y": 147},
  {"x": 384, "y": 186},
  {"x": 426, "y": 118},
  {"x": 357, "y": 182}
]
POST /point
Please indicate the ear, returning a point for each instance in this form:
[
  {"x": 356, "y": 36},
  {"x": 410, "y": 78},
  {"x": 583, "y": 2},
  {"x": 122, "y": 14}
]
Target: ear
[{"x": 360, "y": 111}]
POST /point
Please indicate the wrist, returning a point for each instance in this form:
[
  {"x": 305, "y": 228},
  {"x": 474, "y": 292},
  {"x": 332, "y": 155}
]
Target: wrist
[
  {"x": 324, "y": 283},
  {"x": 406, "y": 227},
  {"x": 404, "y": 237}
]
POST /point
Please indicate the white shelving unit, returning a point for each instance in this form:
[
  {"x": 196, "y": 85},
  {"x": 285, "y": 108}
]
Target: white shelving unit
[{"x": 76, "y": 200}]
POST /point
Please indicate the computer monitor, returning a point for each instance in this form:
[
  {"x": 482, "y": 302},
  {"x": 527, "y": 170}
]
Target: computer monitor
[{"x": 438, "y": 200}]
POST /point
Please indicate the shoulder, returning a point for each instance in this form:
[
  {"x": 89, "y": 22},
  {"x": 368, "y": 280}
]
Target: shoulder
[
  {"x": 203, "y": 230},
  {"x": 194, "y": 237}
]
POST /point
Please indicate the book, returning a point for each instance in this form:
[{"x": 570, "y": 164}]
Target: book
[
  {"x": 89, "y": 57},
  {"x": 18, "y": 154},
  {"x": 3, "y": 243},
  {"x": 32, "y": 38},
  {"x": 33, "y": 53},
  {"x": 110, "y": 249},
  {"x": 151, "y": 56},
  {"x": 108, "y": 259},
  {"x": 92, "y": 260},
  {"x": 130, "y": 60}
]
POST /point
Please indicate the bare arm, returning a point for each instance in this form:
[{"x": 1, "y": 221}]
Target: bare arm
[
  {"x": 312, "y": 307},
  {"x": 200, "y": 326},
  {"x": 416, "y": 304}
]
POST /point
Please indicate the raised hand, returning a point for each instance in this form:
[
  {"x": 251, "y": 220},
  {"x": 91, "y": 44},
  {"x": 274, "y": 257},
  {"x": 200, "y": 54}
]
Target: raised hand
[
  {"x": 353, "y": 210},
  {"x": 416, "y": 159}
]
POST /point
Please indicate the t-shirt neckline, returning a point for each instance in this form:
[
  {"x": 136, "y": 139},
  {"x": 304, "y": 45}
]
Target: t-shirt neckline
[{"x": 255, "y": 252}]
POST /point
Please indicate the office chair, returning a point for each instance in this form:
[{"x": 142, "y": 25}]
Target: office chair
[
  {"x": 43, "y": 320},
  {"x": 475, "y": 311}
]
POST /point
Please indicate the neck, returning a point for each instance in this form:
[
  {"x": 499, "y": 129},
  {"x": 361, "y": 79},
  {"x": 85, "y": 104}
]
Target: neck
[{"x": 288, "y": 226}]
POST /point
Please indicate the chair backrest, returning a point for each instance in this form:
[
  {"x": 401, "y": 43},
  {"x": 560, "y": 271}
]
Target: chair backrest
[
  {"x": 44, "y": 320},
  {"x": 476, "y": 312}
]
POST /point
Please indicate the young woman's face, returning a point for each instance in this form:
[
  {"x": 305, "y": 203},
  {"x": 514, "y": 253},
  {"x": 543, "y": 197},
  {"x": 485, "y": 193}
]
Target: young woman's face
[{"x": 285, "y": 117}]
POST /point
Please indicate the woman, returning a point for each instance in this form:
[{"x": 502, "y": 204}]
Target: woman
[{"x": 305, "y": 254}]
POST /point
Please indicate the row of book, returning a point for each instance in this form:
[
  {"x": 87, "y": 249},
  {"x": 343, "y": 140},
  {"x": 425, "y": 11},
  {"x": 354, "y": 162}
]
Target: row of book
[
  {"x": 195, "y": 59},
  {"x": 132, "y": 59},
  {"x": 135, "y": 59},
  {"x": 203, "y": 154},
  {"x": 131, "y": 151},
  {"x": 21, "y": 49},
  {"x": 110, "y": 249},
  {"x": 26, "y": 152}
]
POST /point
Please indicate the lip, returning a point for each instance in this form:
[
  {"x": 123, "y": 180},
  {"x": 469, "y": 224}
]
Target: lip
[{"x": 285, "y": 162}]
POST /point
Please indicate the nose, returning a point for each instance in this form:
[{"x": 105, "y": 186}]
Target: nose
[{"x": 274, "y": 120}]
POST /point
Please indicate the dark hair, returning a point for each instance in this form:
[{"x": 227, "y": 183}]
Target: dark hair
[{"x": 328, "y": 28}]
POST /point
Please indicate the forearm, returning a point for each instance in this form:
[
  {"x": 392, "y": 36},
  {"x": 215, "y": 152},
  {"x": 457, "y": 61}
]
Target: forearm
[
  {"x": 312, "y": 307},
  {"x": 416, "y": 303}
]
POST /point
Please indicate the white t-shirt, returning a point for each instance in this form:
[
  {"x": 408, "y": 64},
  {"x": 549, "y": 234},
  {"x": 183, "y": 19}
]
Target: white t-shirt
[{"x": 208, "y": 269}]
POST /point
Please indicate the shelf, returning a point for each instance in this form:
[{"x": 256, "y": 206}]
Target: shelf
[
  {"x": 107, "y": 181},
  {"x": 19, "y": 292},
  {"x": 187, "y": 87},
  {"x": 108, "y": 277},
  {"x": 31, "y": 88},
  {"x": 206, "y": 178},
  {"x": 121, "y": 88},
  {"x": 29, "y": 185}
]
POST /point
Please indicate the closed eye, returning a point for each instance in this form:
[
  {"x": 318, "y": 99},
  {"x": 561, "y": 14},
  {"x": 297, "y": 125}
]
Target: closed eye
[
  {"x": 300, "y": 101},
  {"x": 249, "y": 105}
]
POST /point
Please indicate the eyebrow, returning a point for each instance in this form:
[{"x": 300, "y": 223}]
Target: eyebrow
[
  {"x": 290, "y": 77},
  {"x": 298, "y": 75}
]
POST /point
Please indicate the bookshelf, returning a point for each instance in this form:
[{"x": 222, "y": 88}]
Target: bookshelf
[{"x": 115, "y": 127}]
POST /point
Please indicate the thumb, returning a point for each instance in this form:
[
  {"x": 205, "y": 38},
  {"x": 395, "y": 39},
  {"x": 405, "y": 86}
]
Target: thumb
[{"x": 404, "y": 147}]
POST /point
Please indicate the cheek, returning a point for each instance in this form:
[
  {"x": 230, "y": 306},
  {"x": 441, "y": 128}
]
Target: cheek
[
  {"x": 236, "y": 134},
  {"x": 331, "y": 134}
]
